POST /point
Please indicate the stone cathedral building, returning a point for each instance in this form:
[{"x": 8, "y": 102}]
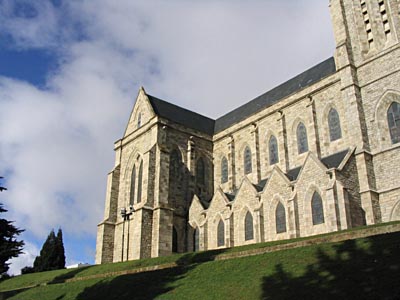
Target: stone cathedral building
[{"x": 317, "y": 154}]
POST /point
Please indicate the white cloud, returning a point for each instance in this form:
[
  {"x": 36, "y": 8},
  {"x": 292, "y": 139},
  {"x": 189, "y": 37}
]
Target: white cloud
[
  {"x": 23, "y": 260},
  {"x": 208, "y": 56}
]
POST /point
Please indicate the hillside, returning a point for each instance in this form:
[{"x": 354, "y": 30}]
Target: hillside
[{"x": 325, "y": 267}]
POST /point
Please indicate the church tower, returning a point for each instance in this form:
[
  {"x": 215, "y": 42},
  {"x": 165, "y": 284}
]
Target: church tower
[{"x": 367, "y": 57}]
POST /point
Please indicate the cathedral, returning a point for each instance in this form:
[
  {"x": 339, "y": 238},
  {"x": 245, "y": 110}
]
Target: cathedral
[{"x": 317, "y": 154}]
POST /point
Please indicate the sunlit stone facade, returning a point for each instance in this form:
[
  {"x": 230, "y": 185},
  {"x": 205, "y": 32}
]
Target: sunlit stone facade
[{"x": 317, "y": 154}]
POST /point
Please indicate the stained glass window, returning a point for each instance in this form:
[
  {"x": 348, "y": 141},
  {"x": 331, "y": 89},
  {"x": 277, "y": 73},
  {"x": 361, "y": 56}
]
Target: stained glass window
[
  {"x": 247, "y": 160},
  {"x": 196, "y": 239},
  {"x": 133, "y": 182},
  {"x": 140, "y": 177},
  {"x": 224, "y": 170},
  {"x": 393, "y": 116},
  {"x": 280, "y": 218},
  {"x": 335, "y": 132},
  {"x": 302, "y": 142},
  {"x": 317, "y": 209},
  {"x": 200, "y": 171},
  {"x": 221, "y": 234},
  {"x": 248, "y": 227},
  {"x": 273, "y": 150}
]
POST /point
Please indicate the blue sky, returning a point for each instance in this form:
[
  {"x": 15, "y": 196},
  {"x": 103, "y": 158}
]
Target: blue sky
[{"x": 70, "y": 71}]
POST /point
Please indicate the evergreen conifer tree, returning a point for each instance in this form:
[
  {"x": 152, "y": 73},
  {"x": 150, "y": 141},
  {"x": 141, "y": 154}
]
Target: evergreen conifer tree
[
  {"x": 60, "y": 262},
  {"x": 52, "y": 255},
  {"x": 45, "y": 261},
  {"x": 9, "y": 246}
]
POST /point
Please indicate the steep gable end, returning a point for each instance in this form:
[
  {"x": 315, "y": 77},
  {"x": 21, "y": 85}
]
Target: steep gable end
[{"x": 141, "y": 113}]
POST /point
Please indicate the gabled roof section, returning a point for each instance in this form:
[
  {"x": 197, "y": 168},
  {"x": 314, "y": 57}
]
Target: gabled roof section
[
  {"x": 291, "y": 86},
  {"x": 260, "y": 186},
  {"x": 182, "y": 116},
  {"x": 330, "y": 161},
  {"x": 334, "y": 160},
  {"x": 293, "y": 173}
]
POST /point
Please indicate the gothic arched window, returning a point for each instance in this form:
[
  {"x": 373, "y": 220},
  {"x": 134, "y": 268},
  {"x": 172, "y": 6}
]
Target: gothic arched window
[
  {"x": 317, "y": 209},
  {"x": 174, "y": 163},
  {"x": 139, "y": 120},
  {"x": 248, "y": 227},
  {"x": 196, "y": 239},
  {"x": 393, "y": 116},
  {"x": 139, "y": 189},
  {"x": 133, "y": 182},
  {"x": 280, "y": 218},
  {"x": 247, "y": 160},
  {"x": 174, "y": 240},
  {"x": 224, "y": 170},
  {"x": 335, "y": 132},
  {"x": 221, "y": 234},
  {"x": 273, "y": 150},
  {"x": 200, "y": 171},
  {"x": 302, "y": 142}
]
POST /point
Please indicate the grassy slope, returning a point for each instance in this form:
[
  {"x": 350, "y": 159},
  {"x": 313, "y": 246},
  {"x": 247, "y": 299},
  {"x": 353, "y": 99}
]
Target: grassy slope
[{"x": 366, "y": 268}]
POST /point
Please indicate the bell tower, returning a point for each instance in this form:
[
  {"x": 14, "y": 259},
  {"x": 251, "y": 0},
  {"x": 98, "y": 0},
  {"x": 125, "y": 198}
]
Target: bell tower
[{"x": 364, "y": 29}]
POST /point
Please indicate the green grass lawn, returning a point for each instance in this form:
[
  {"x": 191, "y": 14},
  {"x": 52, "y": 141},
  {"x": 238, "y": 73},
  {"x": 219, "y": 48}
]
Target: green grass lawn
[{"x": 366, "y": 268}]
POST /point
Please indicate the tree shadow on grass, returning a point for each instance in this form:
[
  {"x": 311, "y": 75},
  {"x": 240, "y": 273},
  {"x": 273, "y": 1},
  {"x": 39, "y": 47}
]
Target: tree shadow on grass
[
  {"x": 353, "y": 271},
  {"x": 146, "y": 285},
  {"x": 63, "y": 277}
]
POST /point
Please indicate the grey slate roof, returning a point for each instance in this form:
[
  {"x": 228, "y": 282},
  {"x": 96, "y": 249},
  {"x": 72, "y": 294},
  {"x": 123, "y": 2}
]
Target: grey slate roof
[
  {"x": 331, "y": 161},
  {"x": 182, "y": 116},
  {"x": 260, "y": 186},
  {"x": 334, "y": 160},
  {"x": 291, "y": 86},
  {"x": 209, "y": 126},
  {"x": 293, "y": 173}
]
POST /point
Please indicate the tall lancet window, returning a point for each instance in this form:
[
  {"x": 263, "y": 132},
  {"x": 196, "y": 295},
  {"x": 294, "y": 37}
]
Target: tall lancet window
[
  {"x": 196, "y": 239},
  {"x": 335, "y": 132},
  {"x": 317, "y": 209},
  {"x": 280, "y": 218},
  {"x": 302, "y": 142},
  {"x": 140, "y": 177},
  {"x": 200, "y": 171},
  {"x": 224, "y": 170},
  {"x": 247, "y": 160},
  {"x": 273, "y": 150},
  {"x": 248, "y": 227},
  {"x": 133, "y": 182},
  {"x": 221, "y": 234},
  {"x": 393, "y": 116}
]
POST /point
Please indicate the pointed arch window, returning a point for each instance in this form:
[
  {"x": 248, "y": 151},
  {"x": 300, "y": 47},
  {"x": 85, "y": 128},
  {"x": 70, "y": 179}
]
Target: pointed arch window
[
  {"x": 335, "y": 131},
  {"x": 200, "y": 171},
  {"x": 302, "y": 142},
  {"x": 393, "y": 116},
  {"x": 224, "y": 170},
  {"x": 280, "y": 218},
  {"x": 174, "y": 163},
  {"x": 273, "y": 150},
  {"x": 139, "y": 120},
  {"x": 140, "y": 178},
  {"x": 221, "y": 234},
  {"x": 174, "y": 240},
  {"x": 196, "y": 239},
  {"x": 133, "y": 182},
  {"x": 247, "y": 160},
  {"x": 317, "y": 209},
  {"x": 248, "y": 227}
]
